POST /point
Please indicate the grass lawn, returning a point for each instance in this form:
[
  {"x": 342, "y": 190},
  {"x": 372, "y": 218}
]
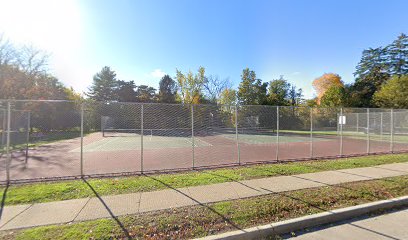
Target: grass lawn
[
  {"x": 64, "y": 190},
  {"x": 198, "y": 221}
]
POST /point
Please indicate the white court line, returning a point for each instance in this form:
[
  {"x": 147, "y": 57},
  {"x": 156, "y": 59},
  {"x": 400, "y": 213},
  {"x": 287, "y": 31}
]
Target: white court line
[
  {"x": 206, "y": 144},
  {"x": 108, "y": 142}
]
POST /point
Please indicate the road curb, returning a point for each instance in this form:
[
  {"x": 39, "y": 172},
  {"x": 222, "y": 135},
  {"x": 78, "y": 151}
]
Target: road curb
[{"x": 311, "y": 220}]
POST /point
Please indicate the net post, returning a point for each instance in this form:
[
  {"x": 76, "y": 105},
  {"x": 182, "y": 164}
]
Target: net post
[
  {"x": 192, "y": 134},
  {"x": 311, "y": 132},
  {"x": 28, "y": 135},
  {"x": 368, "y": 131},
  {"x": 236, "y": 135},
  {"x": 392, "y": 132},
  {"x": 82, "y": 140},
  {"x": 8, "y": 158},
  {"x": 141, "y": 138},
  {"x": 277, "y": 133},
  {"x": 341, "y": 131}
]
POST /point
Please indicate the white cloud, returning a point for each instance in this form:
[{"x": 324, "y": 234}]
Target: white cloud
[
  {"x": 157, "y": 73},
  {"x": 295, "y": 73}
]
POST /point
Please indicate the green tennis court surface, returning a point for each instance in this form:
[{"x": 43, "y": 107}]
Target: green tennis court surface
[
  {"x": 270, "y": 139},
  {"x": 134, "y": 143}
]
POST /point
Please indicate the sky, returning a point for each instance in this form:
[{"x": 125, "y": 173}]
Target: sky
[{"x": 143, "y": 40}]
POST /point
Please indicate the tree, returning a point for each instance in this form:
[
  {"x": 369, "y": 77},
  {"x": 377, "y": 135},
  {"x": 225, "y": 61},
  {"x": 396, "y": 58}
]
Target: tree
[
  {"x": 278, "y": 92},
  {"x": 167, "y": 90},
  {"x": 126, "y": 91},
  {"x": 295, "y": 96},
  {"x": 362, "y": 91},
  {"x": 214, "y": 86},
  {"x": 326, "y": 81},
  {"x": 251, "y": 91},
  {"x": 372, "y": 59},
  {"x": 228, "y": 97},
  {"x": 335, "y": 96},
  {"x": 145, "y": 94},
  {"x": 104, "y": 86},
  {"x": 393, "y": 94},
  {"x": 24, "y": 74},
  {"x": 398, "y": 53},
  {"x": 191, "y": 85}
]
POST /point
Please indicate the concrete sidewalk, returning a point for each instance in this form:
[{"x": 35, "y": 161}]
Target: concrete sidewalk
[
  {"x": 392, "y": 225},
  {"x": 30, "y": 215}
]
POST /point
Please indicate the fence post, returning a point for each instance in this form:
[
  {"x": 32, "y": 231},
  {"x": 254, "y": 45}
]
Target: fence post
[
  {"x": 141, "y": 138},
  {"x": 368, "y": 131},
  {"x": 28, "y": 136},
  {"x": 311, "y": 133},
  {"x": 4, "y": 136},
  {"x": 277, "y": 133},
  {"x": 392, "y": 131},
  {"x": 82, "y": 140},
  {"x": 341, "y": 131},
  {"x": 8, "y": 158},
  {"x": 381, "y": 125},
  {"x": 192, "y": 133},
  {"x": 236, "y": 134}
]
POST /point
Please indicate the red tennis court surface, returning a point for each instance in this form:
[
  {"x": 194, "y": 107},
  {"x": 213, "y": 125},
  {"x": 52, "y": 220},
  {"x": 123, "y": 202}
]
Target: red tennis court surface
[{"x": 62, "y": 158}]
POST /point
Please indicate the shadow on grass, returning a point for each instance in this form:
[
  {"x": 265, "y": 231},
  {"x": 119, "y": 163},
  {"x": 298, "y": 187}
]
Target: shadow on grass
[
  {"x": 125, "y": 231},
  {"x": 198, "y": 203}
]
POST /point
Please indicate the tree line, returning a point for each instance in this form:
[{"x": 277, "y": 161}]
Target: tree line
[
  {"x": 196, "y": 88},
  {"x": 381, "y": 80}
]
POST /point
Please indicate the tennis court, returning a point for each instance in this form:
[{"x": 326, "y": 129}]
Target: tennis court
[
  {"x": 127, "y": 138},
  {"x": 134, "y": 142}
]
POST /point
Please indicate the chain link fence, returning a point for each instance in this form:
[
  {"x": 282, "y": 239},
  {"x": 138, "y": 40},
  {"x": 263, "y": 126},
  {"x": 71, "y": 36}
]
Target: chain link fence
[{"x": 66, "y": 139}]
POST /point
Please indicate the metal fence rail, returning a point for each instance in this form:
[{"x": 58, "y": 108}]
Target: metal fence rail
[{"x": 57, "y": 139}]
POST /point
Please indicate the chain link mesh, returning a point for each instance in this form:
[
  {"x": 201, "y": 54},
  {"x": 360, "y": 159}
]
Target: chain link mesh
[
  {"x": 215, "y": 138},
  {"x": 43, "y": 139},
  {"x": 257, "y": 135},
  {"x": 400, "y": 130},
  {"x": 115, "y": 147},
  {"x": 294, "y": 133},
  {"x": 354, "y": 130},
  {"x": 326, "y": 134},
  {"x": 123, "y": 138}
]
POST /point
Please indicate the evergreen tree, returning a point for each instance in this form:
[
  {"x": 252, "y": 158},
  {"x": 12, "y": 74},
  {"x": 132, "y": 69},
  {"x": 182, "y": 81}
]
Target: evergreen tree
[
  {"x": 104, "y": 86},
  {"x": 145, "y": 93},
  {"x": 295, "y": 96},
  {"x": 373, "y": 59},
  {"x": 251, "y": 91},
  {"x": 126, "y": 91},
  {"x": 398, "y": 56},
  {"x": 167, "y": 90}
]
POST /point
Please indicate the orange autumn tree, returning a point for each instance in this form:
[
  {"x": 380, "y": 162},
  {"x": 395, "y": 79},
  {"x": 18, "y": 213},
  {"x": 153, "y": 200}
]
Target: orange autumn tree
[{"x": 325, "y": 82}]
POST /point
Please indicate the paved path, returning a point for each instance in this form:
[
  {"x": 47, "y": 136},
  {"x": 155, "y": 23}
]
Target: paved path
[
  {"x": 30, "y": 215},
  {"x": 392, "y": 225}
]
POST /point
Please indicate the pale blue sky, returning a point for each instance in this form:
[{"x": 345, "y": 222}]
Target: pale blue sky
[{"x": 141, "y": 40}]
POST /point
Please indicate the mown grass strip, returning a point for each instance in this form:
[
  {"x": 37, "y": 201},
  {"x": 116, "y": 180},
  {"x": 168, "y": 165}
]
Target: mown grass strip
[
  {"x": 55, "y": 191},
  {"x": 198, "y": 221}
]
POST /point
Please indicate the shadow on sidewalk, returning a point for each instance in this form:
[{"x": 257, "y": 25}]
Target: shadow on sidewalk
[
  {"x": 3, "y": 200},
  {"x": 125, "y": 231},
  {"x": 198, "y": 202}
]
